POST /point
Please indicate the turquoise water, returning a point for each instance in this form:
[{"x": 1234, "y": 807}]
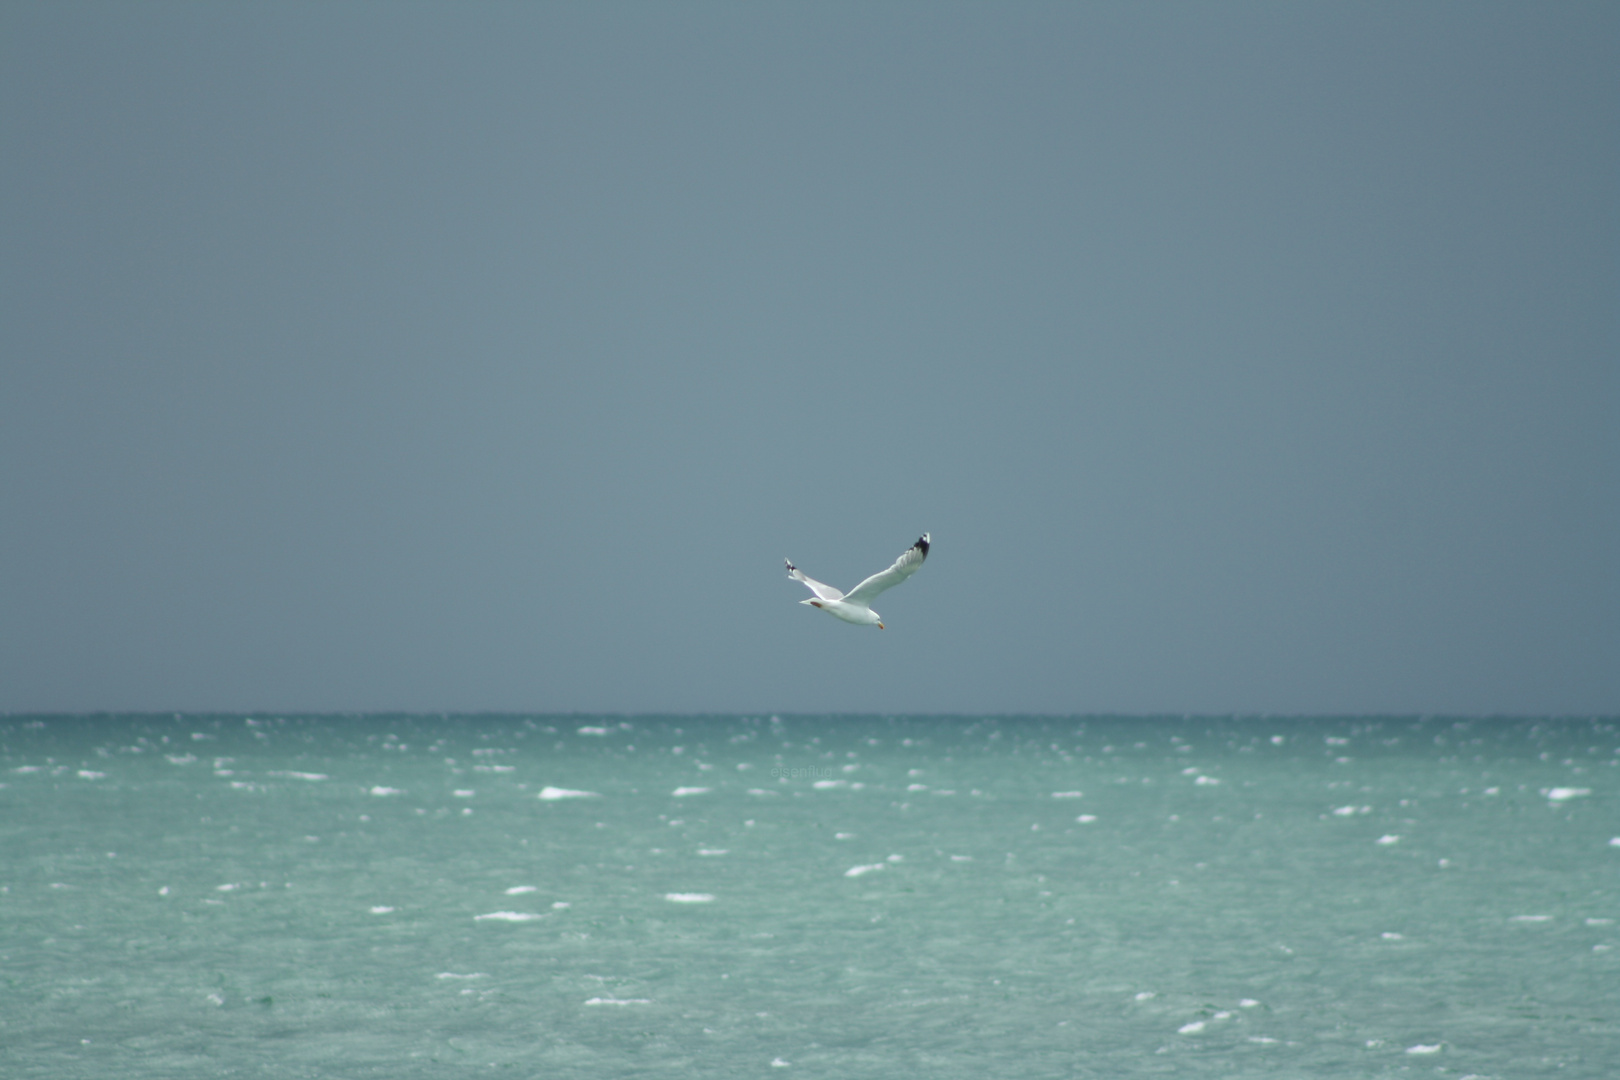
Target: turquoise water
[{"x": 362, "y": 896}]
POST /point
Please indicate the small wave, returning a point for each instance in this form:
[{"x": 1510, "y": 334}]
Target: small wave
[{"x": 549, "y": 794}]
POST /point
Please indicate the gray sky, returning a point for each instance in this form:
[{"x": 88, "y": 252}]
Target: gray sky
[{"x": 1253, "y": 357}]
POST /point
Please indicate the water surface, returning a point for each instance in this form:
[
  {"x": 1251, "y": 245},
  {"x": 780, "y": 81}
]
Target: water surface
[{"x": 402, "y": 896}]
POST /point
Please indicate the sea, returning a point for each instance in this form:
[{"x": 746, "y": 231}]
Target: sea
[{"x": 401, "y": 896}]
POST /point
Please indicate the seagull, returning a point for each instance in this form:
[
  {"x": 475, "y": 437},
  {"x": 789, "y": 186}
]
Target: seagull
[{"x": 853, "y": 607}]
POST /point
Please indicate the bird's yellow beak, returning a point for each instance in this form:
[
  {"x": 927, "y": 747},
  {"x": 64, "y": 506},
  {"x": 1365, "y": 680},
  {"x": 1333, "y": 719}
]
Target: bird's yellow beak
[{"x": 880, "y": 626}]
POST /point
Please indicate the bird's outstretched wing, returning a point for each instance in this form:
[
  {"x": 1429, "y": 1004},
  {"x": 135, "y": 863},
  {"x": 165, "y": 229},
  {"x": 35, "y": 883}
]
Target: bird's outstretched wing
[
  {"x": 903, "y": 567},
  {"x": 823, "y": 592}
]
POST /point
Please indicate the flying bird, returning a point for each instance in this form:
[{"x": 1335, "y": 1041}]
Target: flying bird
[{"x": 855, "y": 605}]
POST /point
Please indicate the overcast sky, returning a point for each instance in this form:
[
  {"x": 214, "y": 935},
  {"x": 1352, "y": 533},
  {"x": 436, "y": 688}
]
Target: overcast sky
[{"x": 1238, "y": 357}]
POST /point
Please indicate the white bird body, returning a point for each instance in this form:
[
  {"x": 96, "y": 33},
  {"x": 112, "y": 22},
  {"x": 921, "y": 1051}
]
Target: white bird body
[
  {"x": 859, "y": 614},
  {"x": 856, "y": 605}
]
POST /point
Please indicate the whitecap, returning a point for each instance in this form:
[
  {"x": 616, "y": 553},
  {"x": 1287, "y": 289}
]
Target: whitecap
[
  {"x": 508, "y": 916},
  {"x": 1247, "y": 1003},
  {"x": 381, "y": 910},
  {"x": 778, "y": 1063},
  {"x": 689, "y": 897},
  {"x": 549, "y": 793},
  {"x": 593, "y": 731},
  {"x": 289, "y": 775},
  {"x": 1206, "y": 780},
  {"x": 1599, "y": 922},
  {"x": 1190, "y": 1029},
  {"x": 1067, "y": 794},
  {"x": 1614, "y": 842},
  {"x": 825, "y": 784},
  {"x": 1530, "y": 918},
  {"x": 1421, "y": 1049},
  {"x": 1086, "y": 819},
  {"x": 1263, "y": 1040},
  {"x": 561, "y": 905},
  {"x": 91, "y": 774},
  {"x": 857, "y": 871},
  {"x": 453, "y": 975},
  {"x": 916, "y": 787},
  {"x": 961, "y": 858},
  {"x": 1344, "y": 811},
  {"x": 1390, "y": 935},
  {"x": 1557, "y": 794},
  {"x": 464, "y": 793},
  {"x": 681, "y": 792},
  {"x": 380, "y": 790},
  {"x": 1388, "y": 839},
  {"x": 1146, "y": 995},
  {"x": 181, "y": 759},
  {"x": 519, "y": 890},
  {"x": 844, "y": 836},
  {"x": 618, "y": 1001},
  {"x": 712, "y": 851}
]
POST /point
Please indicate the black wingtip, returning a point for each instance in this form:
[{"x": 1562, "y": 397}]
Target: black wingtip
[
  {"x": 790, "y": 565},
  {"x": 922, "y": 544}
]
